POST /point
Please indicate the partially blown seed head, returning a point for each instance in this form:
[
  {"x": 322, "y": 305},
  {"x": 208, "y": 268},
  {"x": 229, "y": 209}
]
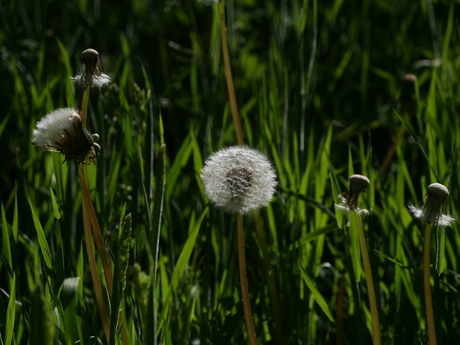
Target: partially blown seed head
[
  {"x": 62, "y": 131},
  {"x": 431, "y": 212},
  {"x": 239, "y": 179},
  {"x": 349, "y": 199},
  {"x": 92, "y": 75}
]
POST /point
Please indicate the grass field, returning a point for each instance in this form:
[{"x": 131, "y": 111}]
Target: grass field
[{"x": 324, "y": 89}]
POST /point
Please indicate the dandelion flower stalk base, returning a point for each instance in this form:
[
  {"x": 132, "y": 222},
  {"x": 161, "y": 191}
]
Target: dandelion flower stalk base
[
  {"x": 369, "y": 281},
  {"x": 244, "y": 284},
  {"x": 92, "y": 263},
  {"x": 427, "y": 285}
]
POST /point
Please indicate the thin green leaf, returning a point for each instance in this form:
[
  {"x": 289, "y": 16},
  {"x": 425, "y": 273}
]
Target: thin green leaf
[
  {"x": 316, "y": 294},
  {"x": 11, "y": 313},
  {"x": 41, "y": 236},
  {"x": 57, "y": 214}
]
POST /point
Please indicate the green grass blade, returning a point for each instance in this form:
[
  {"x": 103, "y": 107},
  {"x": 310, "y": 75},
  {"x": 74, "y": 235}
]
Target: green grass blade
[
  {"x": 57, "y": 214},
  {"x": 6, "y": 248},
  {"x": 41, "y": 236},
  {"x": 11, "y": 313},
  {"x": 316, "y": 294}
]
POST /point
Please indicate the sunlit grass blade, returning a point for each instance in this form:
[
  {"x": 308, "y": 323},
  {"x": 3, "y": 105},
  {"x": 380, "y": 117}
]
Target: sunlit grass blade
[
  {"x": 11, "y": 313},
  {"x": 6, "y": 248},
  {"x": 45, "y": 250},
  {"x": 316, "y": 294}
]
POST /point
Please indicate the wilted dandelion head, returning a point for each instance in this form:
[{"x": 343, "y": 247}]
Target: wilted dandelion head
[
  {"x": 62, "y": 131},
  {"x": 238, "y": 179},
  {"x": 431, "y": 212},
  {"x": 92, "y": 75}
]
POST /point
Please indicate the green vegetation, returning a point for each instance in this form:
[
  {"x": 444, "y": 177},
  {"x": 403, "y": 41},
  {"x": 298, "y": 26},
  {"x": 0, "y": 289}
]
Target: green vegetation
[{"x": 321, "y": 89}]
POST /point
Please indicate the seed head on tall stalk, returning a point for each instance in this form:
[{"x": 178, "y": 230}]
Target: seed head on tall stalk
[
  {"x": 239, "y": 180},
  {"x": 349, "y": 203},
  {"x": 431, "y": 213}
]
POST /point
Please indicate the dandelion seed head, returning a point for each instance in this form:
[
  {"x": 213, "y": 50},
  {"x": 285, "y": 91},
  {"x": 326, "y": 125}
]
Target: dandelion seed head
[
  {"x": 358, "y": 184},
  {"x": 62, "y": 131},
  {"x": 92, "y": 75},
  {"x": 348, "y": 201},
  {"x": 437, "y": 190},
  {"x": 238, "y": 179},
  {"x": 431, "y": 212}
]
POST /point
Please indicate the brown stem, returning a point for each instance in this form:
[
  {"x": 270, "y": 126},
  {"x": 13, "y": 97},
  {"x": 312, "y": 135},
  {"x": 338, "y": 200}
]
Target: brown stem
[
  {"x": 98, "y": 236},
  {"x": 369, "y": 281},
  {"x": 92, "y": 263},
  {"x": 427, "y": 285},
  {"x": 244, "y": 284},
  {"x": 392, "y": 149},
  {"x": 228, "y": 75}
]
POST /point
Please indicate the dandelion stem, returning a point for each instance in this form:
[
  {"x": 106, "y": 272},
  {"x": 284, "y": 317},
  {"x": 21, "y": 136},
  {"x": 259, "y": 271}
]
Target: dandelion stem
[
  {"x": 96, "y": 230},
  {"x": 427, "y": 285},
  {"x": 92, "y": 262},
  {"x": 244, "y": 284},
  {"x": 84, "y": 104},
  {"x": 88, "y": 209},
  {"x": 240, "y": 139},
  {"x": 369, "y": 281},
  {"x": 92, "y": 214},
  {"x": 228, "y": 75}
]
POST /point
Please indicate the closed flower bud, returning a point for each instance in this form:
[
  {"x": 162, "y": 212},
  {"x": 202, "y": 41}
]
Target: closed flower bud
[
  {"x": 239, "y": 179},
  {"x": 62, "y": 131}
]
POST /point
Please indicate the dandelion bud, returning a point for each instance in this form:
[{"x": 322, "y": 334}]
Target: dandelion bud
[
  {"x": 239, "y": 179},
  {"x": 432, "y": 210},
  {"x": 62, "y": 131},
  {"x": 92, "y": 75}
]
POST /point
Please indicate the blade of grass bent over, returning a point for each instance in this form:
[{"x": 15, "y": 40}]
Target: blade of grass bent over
[
  {"x": 316, "y": 294},
  {"x": 11, "y": 313}
]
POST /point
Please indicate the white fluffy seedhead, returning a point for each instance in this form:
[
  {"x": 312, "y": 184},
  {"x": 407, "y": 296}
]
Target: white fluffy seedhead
[{"x": 239, "y": 179}]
